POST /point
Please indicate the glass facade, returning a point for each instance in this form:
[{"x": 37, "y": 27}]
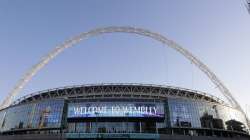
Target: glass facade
[
  {"x": 183, "y": 113},
  {"x": 17, "y": 117},
  {"x": 227, "y": 114},
  {"x": 198, "y": 114},
  {"x": 43, "y": 114},
  {"x": 179, "y": 112}
]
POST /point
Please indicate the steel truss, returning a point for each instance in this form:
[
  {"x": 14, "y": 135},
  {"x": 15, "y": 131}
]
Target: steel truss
[{"x": 103, "y": 91}]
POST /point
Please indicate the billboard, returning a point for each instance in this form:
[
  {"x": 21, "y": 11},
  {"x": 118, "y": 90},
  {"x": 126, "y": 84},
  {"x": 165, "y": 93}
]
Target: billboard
[{"x": 115, "y": 109}]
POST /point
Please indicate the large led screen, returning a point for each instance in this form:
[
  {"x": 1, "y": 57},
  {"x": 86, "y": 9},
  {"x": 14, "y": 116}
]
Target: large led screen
[{"x": 115, "y": 109}]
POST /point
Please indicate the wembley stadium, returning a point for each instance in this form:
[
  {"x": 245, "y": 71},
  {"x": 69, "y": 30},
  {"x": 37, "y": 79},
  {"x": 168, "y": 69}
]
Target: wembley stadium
[{"x": 121, "y": 111}]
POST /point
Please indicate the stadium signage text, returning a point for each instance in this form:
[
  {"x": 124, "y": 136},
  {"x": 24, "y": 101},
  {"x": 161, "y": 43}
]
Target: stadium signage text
[{"x": 116, "y": 109}]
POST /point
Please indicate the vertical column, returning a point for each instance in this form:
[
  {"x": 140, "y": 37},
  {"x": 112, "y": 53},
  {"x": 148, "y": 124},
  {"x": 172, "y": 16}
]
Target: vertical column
[
  {"x": 156, "y": 127},
  {"x": 140, "y": 128}
]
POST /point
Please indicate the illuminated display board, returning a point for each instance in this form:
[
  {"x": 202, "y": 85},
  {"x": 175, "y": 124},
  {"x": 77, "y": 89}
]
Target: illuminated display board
[{"x": 115, "y": 109}]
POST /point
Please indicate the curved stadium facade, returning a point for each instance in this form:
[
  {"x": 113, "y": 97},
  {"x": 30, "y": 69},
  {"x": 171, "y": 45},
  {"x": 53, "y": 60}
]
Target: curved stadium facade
[{"x": 121, "y": 111}]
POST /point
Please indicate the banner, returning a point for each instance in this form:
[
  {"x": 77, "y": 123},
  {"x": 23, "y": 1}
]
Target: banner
[{"x": 115, "y": 109}]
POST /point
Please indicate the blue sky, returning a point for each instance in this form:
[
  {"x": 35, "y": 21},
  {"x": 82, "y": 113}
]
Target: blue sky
[{"x": 217, "y": 32}]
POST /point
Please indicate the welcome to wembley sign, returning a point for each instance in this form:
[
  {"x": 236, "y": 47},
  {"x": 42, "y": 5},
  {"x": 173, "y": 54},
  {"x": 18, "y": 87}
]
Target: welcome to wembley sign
[{"x": 115, "y": 109}]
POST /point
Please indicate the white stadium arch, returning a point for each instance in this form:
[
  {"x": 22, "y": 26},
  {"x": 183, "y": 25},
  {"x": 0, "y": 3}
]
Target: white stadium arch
[{"x": 114, "y": 29}]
